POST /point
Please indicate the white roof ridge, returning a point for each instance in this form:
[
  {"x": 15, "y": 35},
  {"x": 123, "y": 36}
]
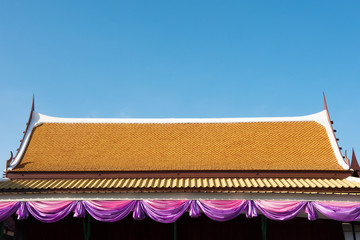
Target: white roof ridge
[{"x": 41, "y": 118}]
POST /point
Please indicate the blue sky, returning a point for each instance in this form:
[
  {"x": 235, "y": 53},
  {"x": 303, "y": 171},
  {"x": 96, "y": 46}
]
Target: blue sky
[{"x": 149, "y": 59}]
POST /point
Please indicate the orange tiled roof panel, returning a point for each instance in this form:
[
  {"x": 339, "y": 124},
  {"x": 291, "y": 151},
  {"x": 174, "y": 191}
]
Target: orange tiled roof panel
[{"x": 302, "y": 145}]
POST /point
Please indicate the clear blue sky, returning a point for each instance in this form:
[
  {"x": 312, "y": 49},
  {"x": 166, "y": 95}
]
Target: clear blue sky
[{"x": 148, "y": 59}]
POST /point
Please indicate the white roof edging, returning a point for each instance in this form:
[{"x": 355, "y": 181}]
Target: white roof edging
[
  {"x": 354, "y": 179},
  {"x": 47, "y": 119},
  {"x": 323, "y": 120},
  {"x": 35, "y": 118}
]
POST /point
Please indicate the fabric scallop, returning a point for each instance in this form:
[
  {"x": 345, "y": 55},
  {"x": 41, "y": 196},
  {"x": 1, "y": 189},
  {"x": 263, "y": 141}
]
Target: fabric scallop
[{"x": 168, "y": 211}]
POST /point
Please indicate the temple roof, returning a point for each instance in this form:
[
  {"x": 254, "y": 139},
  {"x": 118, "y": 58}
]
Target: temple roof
[{"x": 246, "y": 144}]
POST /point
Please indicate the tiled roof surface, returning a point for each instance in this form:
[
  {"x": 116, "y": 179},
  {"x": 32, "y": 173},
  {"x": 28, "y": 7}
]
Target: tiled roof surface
[
  {"x": 187, "y": 184},
  {"x": 179, "y": 146}
]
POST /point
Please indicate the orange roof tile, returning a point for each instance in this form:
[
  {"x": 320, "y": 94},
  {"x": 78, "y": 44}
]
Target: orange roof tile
[{"x": 301, "y": 145}]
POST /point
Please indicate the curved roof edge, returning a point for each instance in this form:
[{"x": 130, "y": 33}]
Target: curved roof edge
[
  {"x": 320, "y": 117},
  {"x": 355, "y": 179},
  {"x": 37, "y": 119}
]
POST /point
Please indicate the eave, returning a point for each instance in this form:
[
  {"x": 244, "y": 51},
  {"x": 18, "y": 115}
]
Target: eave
[
  {"x": 184, "y": 188},
  {"x": 171, "y": 174}
]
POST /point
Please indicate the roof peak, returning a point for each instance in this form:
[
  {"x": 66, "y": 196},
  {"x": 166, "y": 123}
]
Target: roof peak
[{"x": 320, "y": 117}]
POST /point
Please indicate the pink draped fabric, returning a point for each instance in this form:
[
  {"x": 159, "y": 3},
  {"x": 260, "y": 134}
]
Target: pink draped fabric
[
  {"x": 168, "y": 211},
  {"x": 50, "y": 211},
  {"x": 109, "y": 211},
  {"x": 222, "y": 210},
  {"x": 164, "y": 211},
  {"x": 279, "y": 210}
]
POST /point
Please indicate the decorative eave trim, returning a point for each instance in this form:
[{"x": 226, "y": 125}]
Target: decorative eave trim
[
  {"x": 332, "y": 137},
  {"x": 24, "y": 140},
  {"x": 182, "y": 184},
  {"x": 176, "y": 174},
  {"x": 288, "y": 196}
]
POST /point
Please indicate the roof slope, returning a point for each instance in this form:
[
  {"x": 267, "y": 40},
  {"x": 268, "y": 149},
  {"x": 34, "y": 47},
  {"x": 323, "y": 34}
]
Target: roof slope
[{"x": 55, "y": 144}]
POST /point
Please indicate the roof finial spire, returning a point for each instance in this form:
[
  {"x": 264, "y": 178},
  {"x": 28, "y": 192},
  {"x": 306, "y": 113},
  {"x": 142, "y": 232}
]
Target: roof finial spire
[
  {"x": 354, "y": 163},
  {"x": 347, "y": 160},
  {"x": 33, "y": 103},
  {"x": 10, "y": 159},
  {"x": 325, "y": 105}
]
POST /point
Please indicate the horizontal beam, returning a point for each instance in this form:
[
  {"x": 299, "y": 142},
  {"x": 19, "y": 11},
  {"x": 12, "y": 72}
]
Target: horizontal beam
[
  {"x": 174, "y": 174},
  {"x": 183, "y": 196}
]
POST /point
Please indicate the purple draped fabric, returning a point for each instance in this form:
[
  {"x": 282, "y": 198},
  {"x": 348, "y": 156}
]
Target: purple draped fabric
[
  {"x": 109, "y": 210},
  {"x": 311, "y": 212},
  {"x": 50, "y": 211},
  {"x": 251, "y": 211},
  {"x": 79, "y": 210},
  {"x": 340, "y": 211},
  {"x": 165, "y": 211},
  {"x": 138, "y": 212},
  {"x": 194, "y": 211},
  {"x": 22, "y": 212},
  {"x": 222, "y": 210},
  {"x": 279, "y": 210},
  {"x": 7, "y": 209},
  {"x": 168, "y": 211}
]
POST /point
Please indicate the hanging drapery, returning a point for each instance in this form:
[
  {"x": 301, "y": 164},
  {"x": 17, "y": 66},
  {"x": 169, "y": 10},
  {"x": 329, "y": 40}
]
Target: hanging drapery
[
  {"x": 279, "y": 210},
  {"x": 168, "y": 211},
  {"x": 109, "y": 211},
  {"x": 7, "y": 209},
  {"x": 340, "y": 211},
  {"x": 164, "y": 211},
  {"x": 50, "y": 211},
  {"x": 222, "y": 210}
]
